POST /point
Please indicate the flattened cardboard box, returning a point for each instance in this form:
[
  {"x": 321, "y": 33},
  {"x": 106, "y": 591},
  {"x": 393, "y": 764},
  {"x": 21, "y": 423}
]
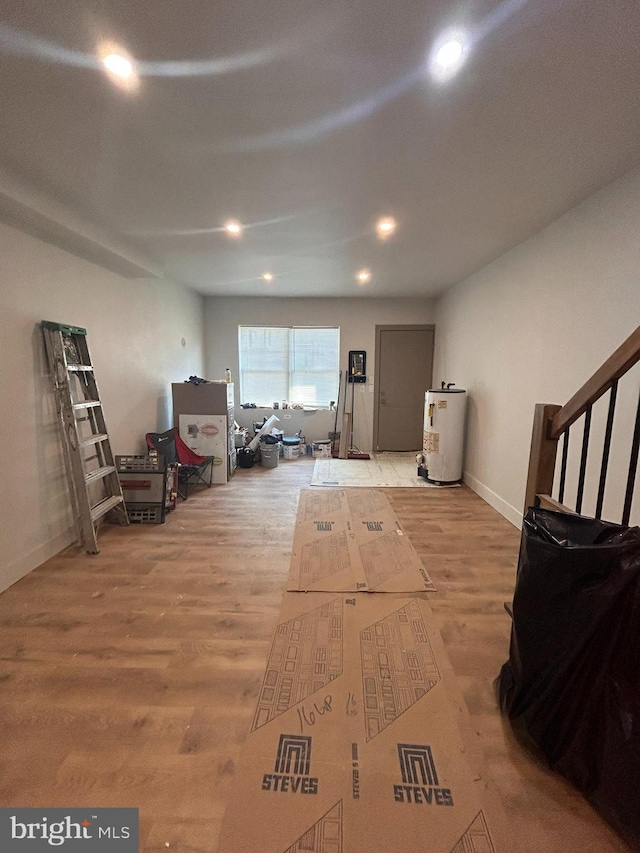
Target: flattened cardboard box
[
  {"x": 349, "y": 540},
  {"x": 354, "y": 746}
]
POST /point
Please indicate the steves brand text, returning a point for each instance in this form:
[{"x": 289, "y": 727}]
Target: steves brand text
[
  {"x": 419, "y": 777},
  {"x": 292, "y": 768}
]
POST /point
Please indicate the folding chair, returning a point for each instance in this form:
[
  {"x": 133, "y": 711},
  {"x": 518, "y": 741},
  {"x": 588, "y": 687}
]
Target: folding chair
[{"x": 191, "y": 466}]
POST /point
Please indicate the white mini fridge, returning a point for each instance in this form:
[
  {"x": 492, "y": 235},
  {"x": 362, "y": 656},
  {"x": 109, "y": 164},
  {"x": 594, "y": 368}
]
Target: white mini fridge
[{"x": 443, "y": 436}]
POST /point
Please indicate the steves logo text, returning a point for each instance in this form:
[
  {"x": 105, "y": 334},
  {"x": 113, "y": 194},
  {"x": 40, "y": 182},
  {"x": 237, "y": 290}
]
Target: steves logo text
[
  {"x": 419, "y": 777},
  {"x": 292, "y": 769}
]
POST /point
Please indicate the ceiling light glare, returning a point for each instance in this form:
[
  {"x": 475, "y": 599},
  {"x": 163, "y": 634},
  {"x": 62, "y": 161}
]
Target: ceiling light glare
[
  {"x": 268, "y": 276},
  {"x": 120, "y": 68},
  {"x": 233, "y": 228},
  {"x": 385, "y": 227},
  {"x": 118, "y": 65},
  {"x": 363, "y": 276},
  {"x": 448, "y": 55}
]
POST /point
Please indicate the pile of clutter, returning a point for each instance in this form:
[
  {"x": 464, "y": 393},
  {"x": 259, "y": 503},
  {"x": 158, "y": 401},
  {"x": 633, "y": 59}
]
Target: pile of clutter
[{"x": 270, "y": 444}]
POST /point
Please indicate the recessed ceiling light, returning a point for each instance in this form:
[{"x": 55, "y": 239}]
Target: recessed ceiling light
[
  {"x": 363, "y": 276},
  {"x": 268, "y": 276},
  {"x": 448, "y": 55},
  {"x": 386, "y": 226},
  {"x": 233, "y": 228},
  {"x": 119, "y": 65}
]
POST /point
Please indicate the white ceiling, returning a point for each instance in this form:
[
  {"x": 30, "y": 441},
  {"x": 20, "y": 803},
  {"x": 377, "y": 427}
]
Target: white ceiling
[{"x": 310, "y": 118}]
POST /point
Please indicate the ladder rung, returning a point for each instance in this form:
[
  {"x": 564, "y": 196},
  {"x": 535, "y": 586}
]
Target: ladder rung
[
  {"x": 79, "y": 367},
  {"x": 99, "y": 474},
  {"x": 104, "y": 506},
  {"x": 88, "y": 404},
  {"x": 94, "y": 439}
]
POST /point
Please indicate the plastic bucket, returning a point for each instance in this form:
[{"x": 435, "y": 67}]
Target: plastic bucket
[
  {"x": 291, "y": 447},
  {"x": 322, "y": 449},
  {"x": 269, "y": 455}
]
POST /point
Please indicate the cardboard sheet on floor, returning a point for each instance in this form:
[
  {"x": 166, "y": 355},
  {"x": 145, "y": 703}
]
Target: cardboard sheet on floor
[
  {"x": 354, "y": 744},
  {"x": 349, "y": 540}
]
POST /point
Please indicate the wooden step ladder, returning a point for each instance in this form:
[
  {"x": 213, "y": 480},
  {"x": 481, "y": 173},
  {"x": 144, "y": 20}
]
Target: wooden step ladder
[{"x": 93, "y": 480}]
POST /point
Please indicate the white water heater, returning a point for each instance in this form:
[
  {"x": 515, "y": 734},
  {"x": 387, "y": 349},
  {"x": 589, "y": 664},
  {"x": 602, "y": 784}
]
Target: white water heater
[{"x": 443, "y": 435}]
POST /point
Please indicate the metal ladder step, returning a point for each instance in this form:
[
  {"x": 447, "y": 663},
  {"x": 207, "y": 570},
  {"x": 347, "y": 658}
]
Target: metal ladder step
[
  {"x": 94, "y": 439},
  {"x": 105, "y": 506},
  {"x": 88, "y": 404},
  {"x": 99, "y": 474}
]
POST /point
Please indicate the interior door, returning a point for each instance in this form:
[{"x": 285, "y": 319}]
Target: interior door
[{"x": 404, "y": 367}]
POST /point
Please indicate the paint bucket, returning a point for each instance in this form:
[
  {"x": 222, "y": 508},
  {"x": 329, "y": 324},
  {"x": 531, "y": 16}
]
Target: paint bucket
[
  {"x": 322, "y": 449},
  {"x": 291, "y": 447},
  {"x": 269, "y": 455}
]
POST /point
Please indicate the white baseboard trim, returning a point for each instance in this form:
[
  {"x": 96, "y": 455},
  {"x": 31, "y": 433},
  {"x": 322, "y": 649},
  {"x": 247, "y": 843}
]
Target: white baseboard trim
[
  {"x": 494, "y": 500},
  {"x": 27, "y": 562}
]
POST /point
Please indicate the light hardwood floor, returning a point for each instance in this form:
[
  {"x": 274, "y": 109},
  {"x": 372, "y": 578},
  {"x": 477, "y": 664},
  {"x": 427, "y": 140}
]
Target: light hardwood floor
[{"x": 129, "y": 678}]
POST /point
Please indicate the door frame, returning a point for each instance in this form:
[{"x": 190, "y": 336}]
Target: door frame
[{"x": 396, "y": 327}]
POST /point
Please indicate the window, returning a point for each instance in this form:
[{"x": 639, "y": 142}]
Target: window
[{"x": 299, "y": 364}]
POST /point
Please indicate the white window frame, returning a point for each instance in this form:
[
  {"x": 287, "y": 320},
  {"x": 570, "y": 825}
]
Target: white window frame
[{"x": 288, "y": 370}]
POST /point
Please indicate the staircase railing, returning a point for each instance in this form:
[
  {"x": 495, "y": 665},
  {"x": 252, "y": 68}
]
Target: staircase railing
[{"x": 553, "y": 422}]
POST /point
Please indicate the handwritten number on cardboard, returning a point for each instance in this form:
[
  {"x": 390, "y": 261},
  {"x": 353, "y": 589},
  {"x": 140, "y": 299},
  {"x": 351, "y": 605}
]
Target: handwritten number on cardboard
[{"x": 310, "y": 716}]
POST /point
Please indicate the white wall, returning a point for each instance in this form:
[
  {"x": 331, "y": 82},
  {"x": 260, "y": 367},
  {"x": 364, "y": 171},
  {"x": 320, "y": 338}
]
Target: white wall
[
  {"x": 531, "y": 328},
  {"x": 357, "y": 319},
  {"x": 134, "y": 333}
]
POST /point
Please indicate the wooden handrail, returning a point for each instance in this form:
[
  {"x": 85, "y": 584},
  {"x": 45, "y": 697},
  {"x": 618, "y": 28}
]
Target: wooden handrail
[
  {"x": 614, "y": 367},
  {"x": 551, "y": 421},
  {"x": 542, "y": 459}
]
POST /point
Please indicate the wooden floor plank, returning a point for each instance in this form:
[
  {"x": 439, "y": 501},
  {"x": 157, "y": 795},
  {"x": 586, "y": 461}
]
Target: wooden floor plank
[{"x": 130, "y": 677}]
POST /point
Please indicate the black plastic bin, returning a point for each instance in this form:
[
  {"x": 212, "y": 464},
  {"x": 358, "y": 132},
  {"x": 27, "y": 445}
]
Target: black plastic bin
[
  {"x": 246, "y": 457},
  {"x": 572, "y": 681}
]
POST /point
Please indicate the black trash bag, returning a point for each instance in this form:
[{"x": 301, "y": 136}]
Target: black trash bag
[
  {"x": 269, "y": 439},
  {"x": 572, "y": 681}
]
